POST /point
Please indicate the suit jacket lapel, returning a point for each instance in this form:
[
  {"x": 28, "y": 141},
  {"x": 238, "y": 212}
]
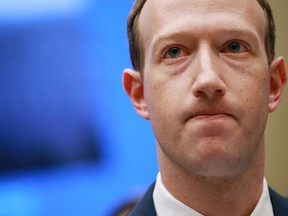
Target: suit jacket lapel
[
  {"x": 279, "y": 203},
  {"x": 145, "y": 207}
]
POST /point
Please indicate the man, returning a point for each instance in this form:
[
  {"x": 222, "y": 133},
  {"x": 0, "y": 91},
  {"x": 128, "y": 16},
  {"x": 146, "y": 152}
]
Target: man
[{"x": 206, "y": 77}]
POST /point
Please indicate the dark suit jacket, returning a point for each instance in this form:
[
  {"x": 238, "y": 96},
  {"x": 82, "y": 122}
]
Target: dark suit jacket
[{"x": 145, "y": 206}]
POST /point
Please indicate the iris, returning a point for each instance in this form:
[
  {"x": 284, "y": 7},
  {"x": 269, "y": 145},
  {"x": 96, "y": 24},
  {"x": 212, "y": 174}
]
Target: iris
[
  {"x": 174, "y": 52},
  {"x": 234, "y": 47}
]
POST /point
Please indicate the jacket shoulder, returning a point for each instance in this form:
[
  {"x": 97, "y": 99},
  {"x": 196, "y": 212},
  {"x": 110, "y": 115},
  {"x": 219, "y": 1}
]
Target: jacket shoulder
[
  {"x": 145, "y": 207},
  {"x": 279, "y": 203}
]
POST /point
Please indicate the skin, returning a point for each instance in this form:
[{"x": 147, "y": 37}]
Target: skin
[{"x": 207, "y": 89}]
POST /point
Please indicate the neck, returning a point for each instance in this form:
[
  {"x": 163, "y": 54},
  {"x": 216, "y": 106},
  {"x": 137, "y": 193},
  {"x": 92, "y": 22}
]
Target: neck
[{"x": 215, "y": 195}]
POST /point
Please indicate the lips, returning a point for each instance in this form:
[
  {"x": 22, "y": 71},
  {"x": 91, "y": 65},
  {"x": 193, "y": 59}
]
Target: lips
[{"x": 211, "y": 114}]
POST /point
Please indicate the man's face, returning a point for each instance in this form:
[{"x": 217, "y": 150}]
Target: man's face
[{"x": 206, "y": 81}]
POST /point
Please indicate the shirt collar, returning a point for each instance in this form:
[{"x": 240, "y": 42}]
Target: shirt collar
[
  {"x": 264, "y": 205},
  {"x": 167, "y": 205}
]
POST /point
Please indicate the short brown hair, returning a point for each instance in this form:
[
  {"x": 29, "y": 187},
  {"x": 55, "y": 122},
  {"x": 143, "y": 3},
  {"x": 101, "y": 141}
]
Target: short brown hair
[{"x": 136, "y": 49}]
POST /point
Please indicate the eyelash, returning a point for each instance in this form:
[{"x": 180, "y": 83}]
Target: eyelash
[
  {"x": 243, "y": 47},
  {"x": 182, "y": 51}
]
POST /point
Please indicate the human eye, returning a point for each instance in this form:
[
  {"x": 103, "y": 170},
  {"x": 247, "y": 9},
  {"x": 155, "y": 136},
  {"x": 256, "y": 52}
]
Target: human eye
[
  {"x": 235, "y": 47},
  {"x": 175, "y": 52}
]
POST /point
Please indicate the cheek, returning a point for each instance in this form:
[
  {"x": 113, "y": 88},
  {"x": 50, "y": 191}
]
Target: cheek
[
  {"x": 260, "y": 92},
  {"x": 164, "y": 99},
  {"x": 163, "y": 95},
  {"x": 254, "y": 83},
  {"x": 256, "y": 100},
  {"x": 159, "y": 101}
]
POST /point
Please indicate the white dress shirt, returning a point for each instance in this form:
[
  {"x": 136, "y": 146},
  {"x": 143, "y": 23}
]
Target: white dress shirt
[{"x": 167, "y": 205}]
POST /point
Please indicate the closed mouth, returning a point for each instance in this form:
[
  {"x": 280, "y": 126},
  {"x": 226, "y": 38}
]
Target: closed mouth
[{"x": 210, "y": 115}]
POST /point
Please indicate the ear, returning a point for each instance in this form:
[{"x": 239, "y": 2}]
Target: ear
[
  {"x": 133, "y": 85},
  {"x": 278, "y": 79}
]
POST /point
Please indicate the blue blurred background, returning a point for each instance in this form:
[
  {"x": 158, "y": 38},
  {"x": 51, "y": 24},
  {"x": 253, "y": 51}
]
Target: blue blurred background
[{"x": 70, "y": 141}]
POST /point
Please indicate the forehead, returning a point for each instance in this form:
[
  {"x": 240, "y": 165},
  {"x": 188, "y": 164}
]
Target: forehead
[{"x": 166, "y": 16}]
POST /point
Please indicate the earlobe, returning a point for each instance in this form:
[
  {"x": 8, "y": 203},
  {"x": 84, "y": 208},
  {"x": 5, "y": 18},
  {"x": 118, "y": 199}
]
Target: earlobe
[
  {"x": 278, "y": 79},
  {"x": 133, "y": 85}
]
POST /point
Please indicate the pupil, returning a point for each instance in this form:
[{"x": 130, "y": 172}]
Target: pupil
[{"x": 234, "y": 47}]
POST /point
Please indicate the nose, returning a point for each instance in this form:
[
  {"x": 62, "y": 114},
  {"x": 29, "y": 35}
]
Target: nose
[{"x": 208, "y": 83}]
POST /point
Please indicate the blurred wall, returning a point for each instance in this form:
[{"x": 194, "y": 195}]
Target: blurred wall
[
  {"x": 277, "y": 130},
  {"x": 61, "y": 63}
]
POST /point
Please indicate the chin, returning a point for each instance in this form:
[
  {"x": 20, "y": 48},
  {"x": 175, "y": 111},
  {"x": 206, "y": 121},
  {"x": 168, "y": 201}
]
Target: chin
[
  {"x": 218, "y": 167},
  {"x": 219, "y": 173}
]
